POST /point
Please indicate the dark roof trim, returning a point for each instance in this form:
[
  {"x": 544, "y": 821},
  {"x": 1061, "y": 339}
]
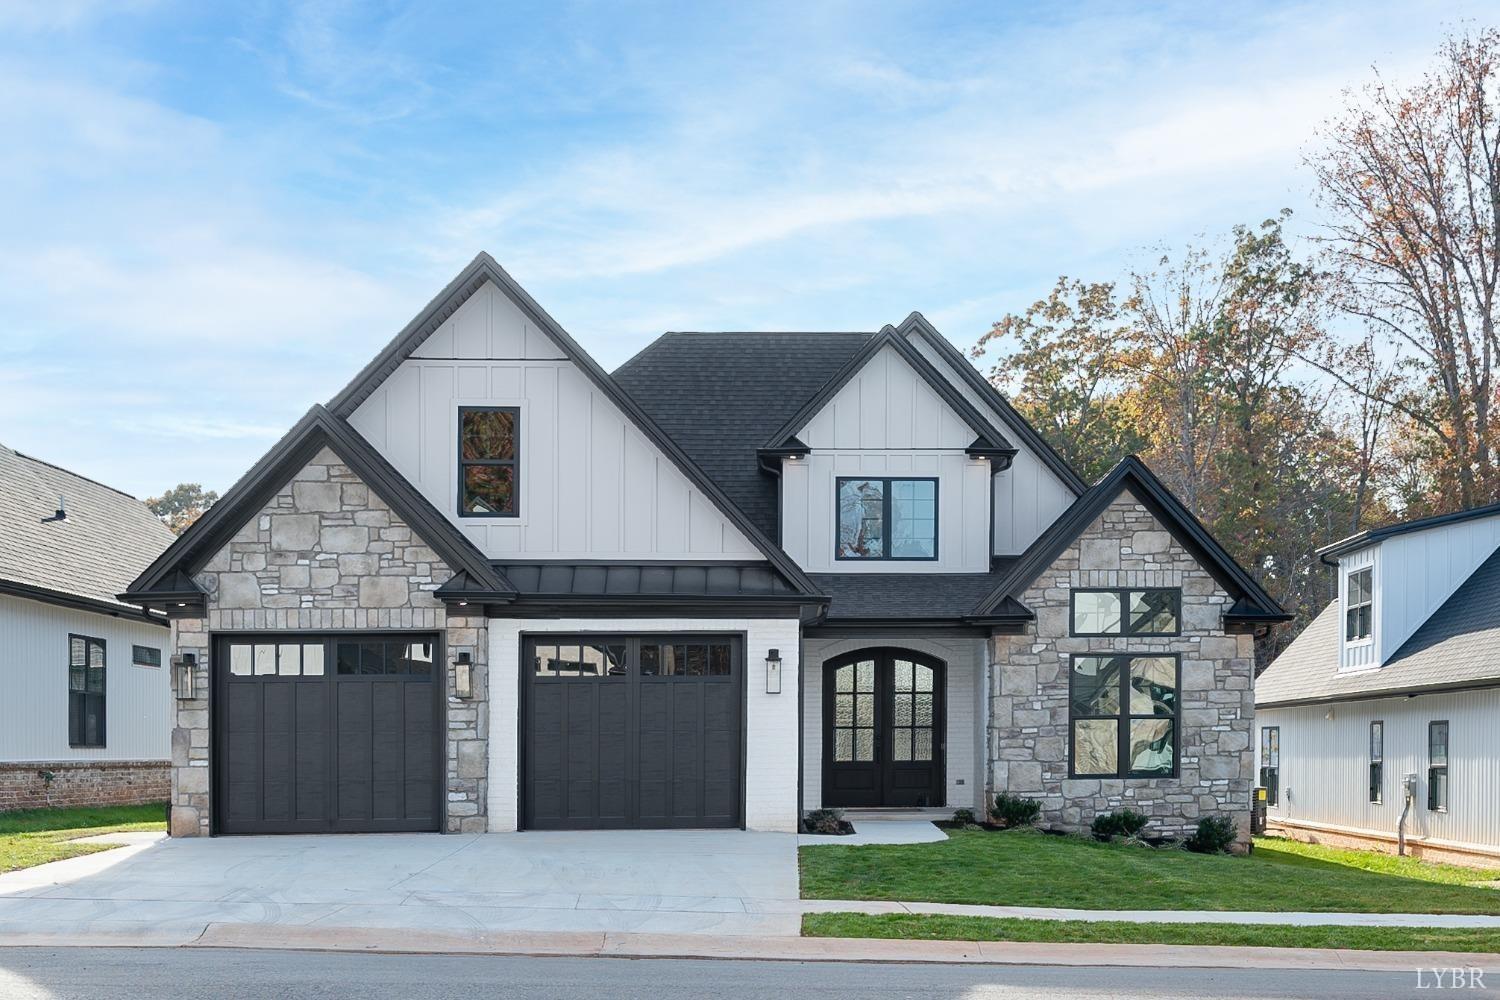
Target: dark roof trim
[
  {"x": 75, "y": 602},
  {"x": 990, "y": 438},
  {"x": 831, "y": 628},
  {"x": 1251, "y": 598},
  {"x": 316, "y": 430},
  {"x": 1330, "y": 553},
  {"x": 1014, "y": 422},
  {"x": 484, "y": 268},
  {"x": 700, "y": 606},
  {"x": 1409, "y": 691}
]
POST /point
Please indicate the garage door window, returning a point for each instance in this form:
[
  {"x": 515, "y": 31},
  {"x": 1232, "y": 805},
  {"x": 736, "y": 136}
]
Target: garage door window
[
  {"x": 580, "y": 660},
  {"x": 710, "y": 659},
  {"x": 380, "y": 657},
  {"x": 276, "y": 659}
]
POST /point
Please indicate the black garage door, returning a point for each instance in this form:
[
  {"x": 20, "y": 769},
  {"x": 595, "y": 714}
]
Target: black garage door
[
  {"x": 327, "y": 734},
  {"x": 632, "y": 732}
]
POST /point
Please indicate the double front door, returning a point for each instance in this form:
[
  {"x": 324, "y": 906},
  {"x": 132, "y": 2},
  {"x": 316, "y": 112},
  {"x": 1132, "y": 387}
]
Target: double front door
[{"x": 883, "y": 725}]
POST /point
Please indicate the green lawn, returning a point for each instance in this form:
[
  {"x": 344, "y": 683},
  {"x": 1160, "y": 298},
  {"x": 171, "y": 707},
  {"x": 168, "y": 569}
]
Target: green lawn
[
  {"x": 1029, "y": 868},
  {"x": 916, "y": 926},
  {"x": 35, "y": 836}
]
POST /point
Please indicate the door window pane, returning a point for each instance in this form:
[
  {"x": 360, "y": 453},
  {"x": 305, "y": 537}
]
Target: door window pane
[
  {"x": 650, "y": 660},
  {"x": 843, "y": 744},
  {"x": 265, "y": 659},
  {"x": 289, "y": 660},
  {"x": 719, "y": 660},
  {"x": 843, "y": 678},
  {"x": 922, "y": 745},
  {"x": 312, "y": 659},
  {"x": 924, "y": 710},
  {"x": 864, "y": 710},
  {"x": 902, "y": 749},
  {"x": 697, "y": 660},
  {"x": 843, "y": 710},
  {"x": 901, "y": 671},
  {"x": 864, "y": 675},
  {"x": 864, "y": 744},
  {"x": 902, "y": 715},
  {"x": 239, "y": 660}
]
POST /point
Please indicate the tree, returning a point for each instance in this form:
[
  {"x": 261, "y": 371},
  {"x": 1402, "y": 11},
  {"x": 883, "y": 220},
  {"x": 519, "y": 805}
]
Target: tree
[
  {"x": 1411, "y": 180},
  {"x": 183, "y": 504}
]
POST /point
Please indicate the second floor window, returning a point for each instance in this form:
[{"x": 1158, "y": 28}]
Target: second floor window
[
  {"x": 1126, "y": 612},
  {"x": 489, "y": 452},
  {"x": 1359, "y": 605},
  {"x": 887, "y": 519}
]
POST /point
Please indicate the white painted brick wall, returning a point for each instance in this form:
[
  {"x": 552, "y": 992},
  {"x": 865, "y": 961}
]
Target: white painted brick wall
[
  {"x": 770, "y": 719},
  {"x": 963, "y": 656}
]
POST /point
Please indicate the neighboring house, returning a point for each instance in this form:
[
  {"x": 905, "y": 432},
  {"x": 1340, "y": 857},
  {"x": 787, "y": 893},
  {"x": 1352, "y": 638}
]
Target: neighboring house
[
  {"x": 1389, "y": 701},
  {"x": 84, "y": 696},
  {"x": 490, "y": 586}
]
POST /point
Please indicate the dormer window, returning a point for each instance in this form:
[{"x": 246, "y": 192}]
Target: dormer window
[
  {"x": 488, "y": 455},
  {"x": 1359, "y": 605},
  {"x": 887, "y": 519}
]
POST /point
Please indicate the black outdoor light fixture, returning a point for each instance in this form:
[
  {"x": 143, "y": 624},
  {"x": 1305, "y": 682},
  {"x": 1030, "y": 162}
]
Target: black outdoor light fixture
[
  {"x": 463, "y": 676},
  {"x": 184, "y": 676},
  {"x": 773, "y": 671}
]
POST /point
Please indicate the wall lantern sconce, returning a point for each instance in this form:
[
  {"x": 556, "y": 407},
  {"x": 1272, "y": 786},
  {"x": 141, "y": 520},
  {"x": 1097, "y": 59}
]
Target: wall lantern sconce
[
  {"x": 773, "y": 671},
  {"x": 184, "y": 677},
  {"x": 463, "y": 676}
]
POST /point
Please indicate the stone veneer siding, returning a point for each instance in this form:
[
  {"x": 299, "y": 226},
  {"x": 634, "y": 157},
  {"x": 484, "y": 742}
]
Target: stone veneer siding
[
  {"x": 327, "y": 554},
  {"x": 1028, "y": 733},
  {"x": 82, "y": 783}
]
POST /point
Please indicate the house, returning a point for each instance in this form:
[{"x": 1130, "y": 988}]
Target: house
[
  {"x": 490, "y": 586},
  {"x": 1380, "y": 720},
  {"x": 85, "y": 709}
]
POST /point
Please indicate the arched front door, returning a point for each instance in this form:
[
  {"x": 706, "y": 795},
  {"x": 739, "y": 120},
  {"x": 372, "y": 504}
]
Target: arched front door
[{"x": 883, "y": 726}]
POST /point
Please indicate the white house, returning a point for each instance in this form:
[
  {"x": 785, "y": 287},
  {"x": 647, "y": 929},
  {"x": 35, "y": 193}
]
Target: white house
[
  {"x": 1382, "y": 719},
  {"x": 85, "y": 707},
  {"x": 490, "y": 586}
]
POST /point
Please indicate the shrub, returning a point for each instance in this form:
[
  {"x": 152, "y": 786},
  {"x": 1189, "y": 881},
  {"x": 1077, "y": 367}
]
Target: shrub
[
  {"x": 825, "y": 821},
  {"x": 1125, "y": 823},
  {"x": 1012, "y": 810},
  {"x": 1216, "y": 834},
  {"x": 965, "y": 817}
]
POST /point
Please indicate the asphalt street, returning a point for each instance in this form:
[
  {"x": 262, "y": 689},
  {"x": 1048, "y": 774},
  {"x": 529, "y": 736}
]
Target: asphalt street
[{"x": 196, "y": 973}]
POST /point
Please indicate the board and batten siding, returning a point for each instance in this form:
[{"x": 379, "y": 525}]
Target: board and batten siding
[
  {"x": 886, "y": 421},
  {"x": 1028, "y": 496},
  {"x": 592, "y": 485},
  {"x": 1364, "y": 654},
  {"x": 1325, "y": 766},
  {"x": 34, "y": 670}
]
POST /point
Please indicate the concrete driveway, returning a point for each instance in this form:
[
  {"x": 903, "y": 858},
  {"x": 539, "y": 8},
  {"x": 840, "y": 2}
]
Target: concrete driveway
[{"x": 669, "y": 882}]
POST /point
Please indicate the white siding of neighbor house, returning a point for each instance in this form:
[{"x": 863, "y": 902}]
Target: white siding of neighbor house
[
  {"x": 1325, "y": 766},
  {"x": 965, "y": 657},
  {"x": 1418, "y": 571},
  {"x": 1364, "y": 654},
  {"x": 592, "y": 485},
  {"x": 886, "y": 421},
  {"x": 770, "y": 746},
  {"x": 34, "y": 672},
  {"x": 1028, "y": 496}
]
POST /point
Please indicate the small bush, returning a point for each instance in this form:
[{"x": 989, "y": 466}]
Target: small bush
[
  {"x": 1126, "y": 823},
  {"x": 1216, "y": 834},
  {"x": 965, "y": 817},
  {"x": 1012, "y": 810},
  {"x": 829, "y": 821}
]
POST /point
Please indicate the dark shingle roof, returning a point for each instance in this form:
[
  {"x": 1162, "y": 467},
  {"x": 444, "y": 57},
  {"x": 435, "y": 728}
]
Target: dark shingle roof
[
  {"x": 106, "y": 539},
  {"x": 721, "y": 395},
  {"x": 907, "y": 595},
  {"x": 667, "y": 580},
  {"x": 1456, "y": 647}
]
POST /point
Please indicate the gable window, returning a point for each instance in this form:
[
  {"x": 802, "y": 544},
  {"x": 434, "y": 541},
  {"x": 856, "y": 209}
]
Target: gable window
[
  {"x": 489, "y": 451},
  {"x": 1126, "y": 612},
  {"x": 1359, "y": 605},
  {"x": 1270, "y": 763},
  {"x": 85, "y": 691},
  {"x": 145, "y": 656},
  {"x": 1437, "y": 766},
  {"x": 887, "y": 519},
  {"x": 1377, "y": 762},
  {"x": 1123, "y": 716}
]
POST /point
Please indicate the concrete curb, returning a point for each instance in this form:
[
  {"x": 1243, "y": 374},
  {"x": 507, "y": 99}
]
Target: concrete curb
[{"x": 793, "y": 949}]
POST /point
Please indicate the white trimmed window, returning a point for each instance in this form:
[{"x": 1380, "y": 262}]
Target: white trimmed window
[{"x": 1359, "y": 605}]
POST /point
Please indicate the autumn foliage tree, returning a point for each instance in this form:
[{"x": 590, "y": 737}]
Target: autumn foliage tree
[{"x": 183, "y": 504}]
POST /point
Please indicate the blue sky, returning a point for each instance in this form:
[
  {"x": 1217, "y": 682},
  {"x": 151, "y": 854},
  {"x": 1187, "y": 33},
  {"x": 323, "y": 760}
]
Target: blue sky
[{"x": 212, "y": 215}]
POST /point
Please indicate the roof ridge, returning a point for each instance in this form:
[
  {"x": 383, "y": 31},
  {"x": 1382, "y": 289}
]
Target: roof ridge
[{"x": 75, "y": 475}]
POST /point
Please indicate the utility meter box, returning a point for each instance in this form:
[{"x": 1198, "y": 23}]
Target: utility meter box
[{"x": 1258, "y": 811}]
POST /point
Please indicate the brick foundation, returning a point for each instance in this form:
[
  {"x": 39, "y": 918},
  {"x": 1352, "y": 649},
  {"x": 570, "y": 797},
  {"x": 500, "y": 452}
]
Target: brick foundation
[
  {"x": 1416, "y": 847},
  {"x": 84, "y": 783}
]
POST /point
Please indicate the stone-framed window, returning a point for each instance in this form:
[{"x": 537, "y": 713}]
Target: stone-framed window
[
  {"x": 489, "y": 461},
  {"x": 1123, "y": 714},
  {"x": 1128, "y": 612}
]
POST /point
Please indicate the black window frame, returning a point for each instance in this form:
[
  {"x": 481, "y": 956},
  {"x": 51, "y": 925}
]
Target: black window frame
[
  {"x": 1433, "y": 805},
  {"x": 152, "y": 658},
  {"x": 885, "y": 516},
  {"x": 1124, "y": 717},
  {"x": 1377, "y": 763},
  {"x": 1368, "y": 605},
  {"x": 1124, "y": 595},
  {"x": 78, "y": 699},
  {"x": 513, "y": 463},
  {"x": 1270, "y": 773}
]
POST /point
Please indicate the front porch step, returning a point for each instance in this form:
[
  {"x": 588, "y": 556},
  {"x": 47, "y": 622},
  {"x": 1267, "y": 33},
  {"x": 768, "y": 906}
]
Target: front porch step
[{"x": 933, "y": 813}]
